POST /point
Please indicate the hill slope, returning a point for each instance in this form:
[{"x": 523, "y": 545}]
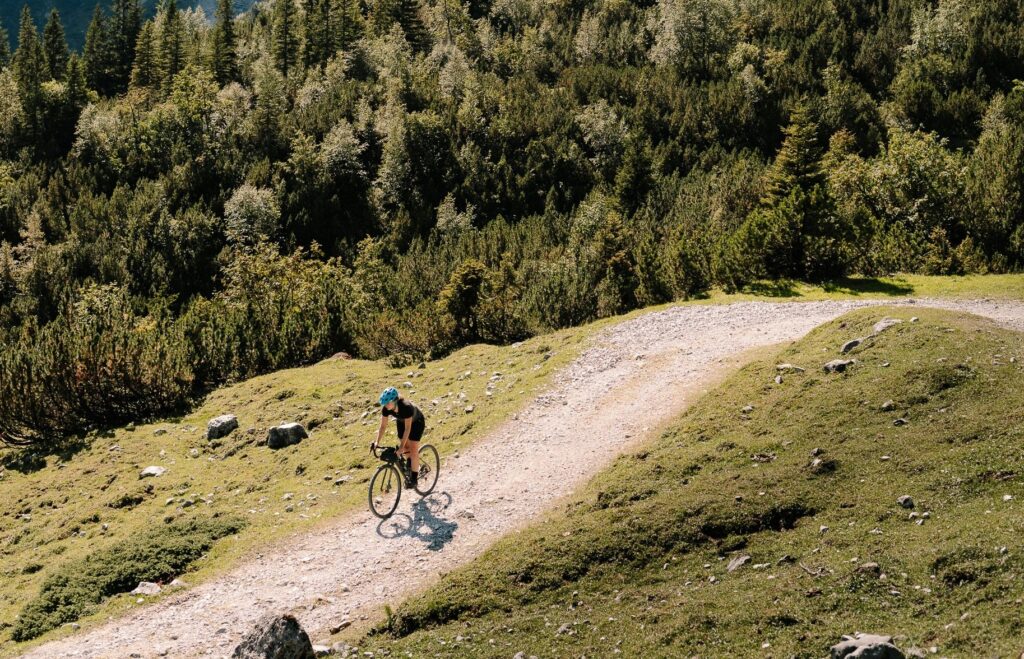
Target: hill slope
[{"x": 638, "y": 563}]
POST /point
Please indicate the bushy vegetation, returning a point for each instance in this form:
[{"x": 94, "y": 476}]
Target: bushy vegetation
[
  {"x": 404, "y": 177},
  {"x": 157, "y": 556},
  {"x": 800, "y": 476}
]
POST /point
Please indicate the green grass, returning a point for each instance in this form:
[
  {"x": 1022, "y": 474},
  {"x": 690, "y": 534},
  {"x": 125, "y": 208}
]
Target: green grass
[
  {"x": 60, "y": 509},
  {"x": 56, "y": 510},
  {"x": 637, "y": 562},
  {"x": 157, "y": 556}
]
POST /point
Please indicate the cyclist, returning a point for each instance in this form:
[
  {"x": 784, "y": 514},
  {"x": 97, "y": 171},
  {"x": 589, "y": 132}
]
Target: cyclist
[{"x": 411, "y": 424}]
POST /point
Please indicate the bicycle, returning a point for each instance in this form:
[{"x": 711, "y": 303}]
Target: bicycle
[{"x": 386, "y": 484}]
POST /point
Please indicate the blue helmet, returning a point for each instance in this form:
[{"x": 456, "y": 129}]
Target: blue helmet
[{"x": 389, "y": 395}]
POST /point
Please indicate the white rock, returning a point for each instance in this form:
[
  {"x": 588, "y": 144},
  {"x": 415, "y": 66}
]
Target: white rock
[
  {"x": 147, "y": 588},
  {"x": 152, "y": 472}
]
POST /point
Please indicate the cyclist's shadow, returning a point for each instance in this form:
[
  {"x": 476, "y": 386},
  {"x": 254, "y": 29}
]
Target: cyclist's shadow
[{"x": 425, "y": 523}]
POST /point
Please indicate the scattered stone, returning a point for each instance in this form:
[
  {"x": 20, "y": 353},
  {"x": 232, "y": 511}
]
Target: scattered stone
[
  {"x": 905, "y": 501},
  {"x": 344, "y": 479},
  {"x": 817, "y": 451},
  {"x": 789, "y": 368},
  {"x": 194, "y": 452},
  {"x": 321, "y": 650},
  {"x": 822, "y": 529},
  {"x": 286, "y": 435},
  {"x": 344, "y": 624},
  {"x": 177, "y": 583},
  {"x": 470, "y": 408},
  {"x": 1007, "y": 497},
  {"x": 221, "y": 426},
  {"x": 152, "y": 472},
  {"x": 839, "y": 365},
  {"x": 778, "y": 379},
  {"x": 866, "y": 646},
  {"x": 565, "y": 629},
  {"x": 914, "y": 319},
  {"x": 146, "y": 588},
  {"x": 885, "y": 324},
  {"x": 871, "y": 569},
  {"x": 737, "y": 563},
  {"x": 823, "y": 466},
  {"x": 275, "y": 637},
  {"x": 900, "y": 422},
  {"x": 850, "y": 345},
  {"x": 888, "y": 406},
  {"x": 159, "y": 431}
]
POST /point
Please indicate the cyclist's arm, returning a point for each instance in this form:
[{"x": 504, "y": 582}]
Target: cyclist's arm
[{"x": 383, "y": 427}]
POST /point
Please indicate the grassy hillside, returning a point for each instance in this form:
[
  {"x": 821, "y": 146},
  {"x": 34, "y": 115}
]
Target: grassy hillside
[
  {"x": 57, "y": 511},
  {"x": 638, "y": 563}
]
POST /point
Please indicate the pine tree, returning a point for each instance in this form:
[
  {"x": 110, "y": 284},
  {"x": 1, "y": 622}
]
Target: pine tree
[
  {"x": 145, "y": 71},
  {"x": 171, "y": 56},
  {"x": 406, "y": 13},
  {"x": 98, "y": 53},
  {"x": 29, "y": 65},
  {"x": 798, "y": 163},
  {"x": 346, "y": 23},
  {"x": 223, "y": 57},
  {"x": 284, "y": 36},
  {"x": 126, "y": 20},
  {"x": 317, "y": 42},
  {"x": 55, "y": 46},
  {"x": 77, "y": 88},
  {"x": 5, "y": 48}
]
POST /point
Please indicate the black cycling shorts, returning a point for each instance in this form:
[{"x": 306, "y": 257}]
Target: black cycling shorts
[{"x": 416, "y": 435}]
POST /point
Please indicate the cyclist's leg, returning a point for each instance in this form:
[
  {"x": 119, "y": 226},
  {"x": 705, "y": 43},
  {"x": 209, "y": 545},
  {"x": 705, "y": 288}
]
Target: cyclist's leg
[{"x": 414, "y": 445}]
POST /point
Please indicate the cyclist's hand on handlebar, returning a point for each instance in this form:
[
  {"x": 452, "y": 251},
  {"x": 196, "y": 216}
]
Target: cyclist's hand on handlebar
[{"x": 373, "y": 446}]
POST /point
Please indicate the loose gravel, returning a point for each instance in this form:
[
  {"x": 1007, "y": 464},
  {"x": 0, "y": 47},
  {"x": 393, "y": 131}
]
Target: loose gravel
[{"x": 638, "y": 375}]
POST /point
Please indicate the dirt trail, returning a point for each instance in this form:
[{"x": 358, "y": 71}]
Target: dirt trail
[{"x": 636, "y": 376}]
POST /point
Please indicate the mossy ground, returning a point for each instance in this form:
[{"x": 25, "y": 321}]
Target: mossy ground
[
  {"x": 57, "y": 509},
  {"x": 637, "y": 563}
]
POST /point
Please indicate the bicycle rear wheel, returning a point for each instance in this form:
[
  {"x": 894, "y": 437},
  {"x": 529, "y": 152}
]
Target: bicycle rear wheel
[
  {"x": 430, "y": 468},
  {"x": 385, "y": 491}
]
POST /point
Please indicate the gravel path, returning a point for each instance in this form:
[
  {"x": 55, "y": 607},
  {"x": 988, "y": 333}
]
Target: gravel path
[{"x": 598, "y": 406}]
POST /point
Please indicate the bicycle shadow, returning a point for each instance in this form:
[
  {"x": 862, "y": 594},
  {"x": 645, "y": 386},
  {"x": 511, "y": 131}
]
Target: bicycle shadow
[{"x": 426, "y": 524}]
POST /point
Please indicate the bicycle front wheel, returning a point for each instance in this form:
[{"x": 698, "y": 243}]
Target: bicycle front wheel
[
  {"x": 385, "y": 491},
  {"x": 430, "y": 468}
]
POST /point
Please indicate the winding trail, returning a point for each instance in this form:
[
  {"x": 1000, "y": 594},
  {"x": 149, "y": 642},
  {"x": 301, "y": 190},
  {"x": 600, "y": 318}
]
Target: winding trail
[{"x": 502, "y": 482}]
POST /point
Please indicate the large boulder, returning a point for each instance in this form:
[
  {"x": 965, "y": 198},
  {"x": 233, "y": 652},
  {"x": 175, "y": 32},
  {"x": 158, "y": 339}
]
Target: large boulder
[
  {"x": 221, "y": 426},
  {"x": 286, "y": 435},
  {"x": 866, "y": 646},
  {"x": 275, "y": 637}
]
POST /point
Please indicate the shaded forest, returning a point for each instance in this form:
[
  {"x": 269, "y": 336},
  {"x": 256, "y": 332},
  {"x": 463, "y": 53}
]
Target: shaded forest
[{"x": 186, "y": 202}]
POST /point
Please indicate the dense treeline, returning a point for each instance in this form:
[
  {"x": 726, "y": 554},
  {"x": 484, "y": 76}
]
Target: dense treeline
[{"x": 188, "y": 201}]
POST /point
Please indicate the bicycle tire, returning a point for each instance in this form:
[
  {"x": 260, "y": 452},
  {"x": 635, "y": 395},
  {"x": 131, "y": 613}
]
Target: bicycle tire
[
  {"x": 385, "y": 484},
  {"x": 431, "y": 461}
]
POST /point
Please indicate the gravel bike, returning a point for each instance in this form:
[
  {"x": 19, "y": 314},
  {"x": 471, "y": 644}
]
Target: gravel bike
[{"x": 387, "y": 481}]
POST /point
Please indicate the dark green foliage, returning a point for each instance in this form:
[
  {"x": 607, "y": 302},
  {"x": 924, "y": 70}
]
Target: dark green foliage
[
  {"x": 55, "y": 46},
  {"x": 5, "y": 48},
  {"x": 29, "y": 67},
  {"x": 99, "y": 53},
  {"x": 145, "y": 70},
  {"x": 223, "y": 56},
  {"x": 157, "y": 556},
  {"x": 586, "y": 158},
  {"x": 285, "y": 36},
  {"x": 125, "y": 24},
  {"x": 170, "y": 53}
]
